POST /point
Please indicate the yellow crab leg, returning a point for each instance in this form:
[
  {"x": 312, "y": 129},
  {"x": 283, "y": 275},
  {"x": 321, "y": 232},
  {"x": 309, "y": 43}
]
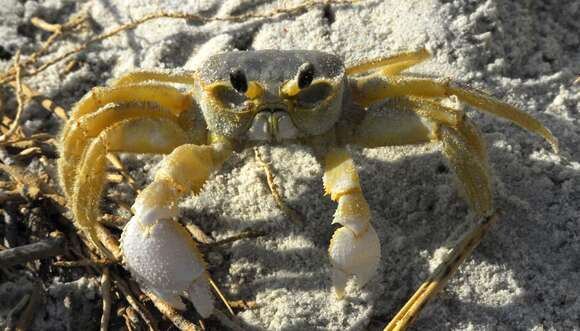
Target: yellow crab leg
[
  {"x": 440, "y": 115},
  {"x": 158, "y": 250},
  {"x": 90, "y": 125},
  {"x": 472, "y": 171},
  {"x": 165, "y": 95},
  {"x": 414, "y": 120},
  {"x": 391, "y": 65},
  {"x": 138, "y": 135},
  {"x": 376, "y": 87},
  {"x": 168, "y": 76}
]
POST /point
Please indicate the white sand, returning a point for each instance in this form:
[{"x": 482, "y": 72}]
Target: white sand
[{"x": 526, "y": 273}]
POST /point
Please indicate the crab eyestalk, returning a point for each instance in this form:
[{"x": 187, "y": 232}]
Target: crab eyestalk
[{"x": 303, "y": 79}]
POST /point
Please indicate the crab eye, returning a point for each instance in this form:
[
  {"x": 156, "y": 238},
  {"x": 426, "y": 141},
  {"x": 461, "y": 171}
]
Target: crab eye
[
  {"x": 228, "y": 96},
  {"x": 313, "y": 95},
  {"x": 305, "y": 75},
  {"x": 239, "y": 81}
]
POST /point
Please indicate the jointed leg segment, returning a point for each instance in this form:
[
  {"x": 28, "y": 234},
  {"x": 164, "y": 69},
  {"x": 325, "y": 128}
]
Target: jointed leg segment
[
  {"x": 464, "y": 148},
  {"x": 89, "y": 126},
  {"x": 135, "y": 77},
  {"x": 140, "y": 118},
  {"x": 354, "y": 248},
  {"x": 166, "y": 96},
  {"x": 376, "y": 87},
  {"x": 131, "y": 135},
  {"x": 141, "y": 115},
  {"x": 391, "y": 65},
  {"x": 159, "y": 251}
]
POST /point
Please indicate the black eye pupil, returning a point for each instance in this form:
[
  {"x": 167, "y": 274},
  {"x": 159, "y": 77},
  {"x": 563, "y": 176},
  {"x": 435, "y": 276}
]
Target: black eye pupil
[
  {"x": 239, "y": 81},
  {"x": 305, "y": 75}
]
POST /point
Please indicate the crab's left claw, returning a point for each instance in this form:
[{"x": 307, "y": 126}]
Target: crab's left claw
[{"x": 354, "y": 249}]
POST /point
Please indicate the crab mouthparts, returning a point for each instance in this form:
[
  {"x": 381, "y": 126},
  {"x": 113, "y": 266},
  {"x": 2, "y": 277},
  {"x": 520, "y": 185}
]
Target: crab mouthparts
[{"x": 272, "y": 124}]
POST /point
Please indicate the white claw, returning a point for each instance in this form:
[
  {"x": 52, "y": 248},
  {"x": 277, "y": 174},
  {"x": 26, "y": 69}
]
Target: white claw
[
  {"x": 199, "y": 294},
  {"x": 353, "y": 255},
  {"x": 163, "y": 258}
]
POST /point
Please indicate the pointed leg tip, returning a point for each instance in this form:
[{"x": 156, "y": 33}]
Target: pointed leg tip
[
  {"x": 339, "y": 279},
  {"x": 199, "y": 294},
  {"x": 339, "y": 293}
]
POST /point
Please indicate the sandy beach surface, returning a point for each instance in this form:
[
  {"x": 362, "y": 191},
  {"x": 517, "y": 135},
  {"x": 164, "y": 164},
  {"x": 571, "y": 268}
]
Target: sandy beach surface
[{"x": 524, "y": 276}]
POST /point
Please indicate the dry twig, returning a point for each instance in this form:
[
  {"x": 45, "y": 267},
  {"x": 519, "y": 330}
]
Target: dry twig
[
  {"x": 44, "y": 248},
  {"x": 130, "y": 298},
  {"x": 173, "y": 315},
  {"x": 19, "y": 99},
  {"x": 106, "y": 294},
  {"x": 244, "y": 235},
  {"x": 114, "y": 159},
  {"x": 221, "y": 295},
  {"x": 28, "y": 186},
  {"x": 243, "y": 304},
  {"x": 82, "y": 263},
  {"x": 290, "y": 213},
  {"x": 14, "y": 311},
  {"x": 129, "y": 316},
  {"x": 174, "y": 15},
  {"x": 1, "y": 104},
  {"x": 198, "y": 234},
  {"x": 34, "y": 137},
  {"x": 27, "y": 316}
]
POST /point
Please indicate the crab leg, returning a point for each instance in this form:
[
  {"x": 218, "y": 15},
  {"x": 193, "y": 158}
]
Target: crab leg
[
  {"x": 131, "y": 135},
  {"x": 159, "y": 252},
  {"x": 471, "y": 169},
  {"x": 376, "y": 87},
  {"x": 354, "y": 248},
  {"x": 166, "y": 96},
  {"x": 391, "y": 65},
  {"x": 412, "y": 121},
  {"x": 92, "y": 124},
  {"x": 169, "y": 76}
]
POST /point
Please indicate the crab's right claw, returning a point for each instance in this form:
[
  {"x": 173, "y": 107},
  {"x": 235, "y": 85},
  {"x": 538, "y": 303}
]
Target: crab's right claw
[
  {"x": 161, "y": 254},
  {"x": 354, "y": 249}
]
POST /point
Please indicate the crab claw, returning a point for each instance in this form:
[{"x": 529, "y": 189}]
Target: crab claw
[
  {"x": 165, "y": 260},
  {"x": 355, "y": 248}
]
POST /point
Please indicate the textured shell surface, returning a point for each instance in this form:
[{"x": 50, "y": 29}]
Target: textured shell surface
[{"x": 270, "y": 66}]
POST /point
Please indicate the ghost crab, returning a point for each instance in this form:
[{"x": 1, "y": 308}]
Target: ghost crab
[{"x": 241, "y": 99}]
